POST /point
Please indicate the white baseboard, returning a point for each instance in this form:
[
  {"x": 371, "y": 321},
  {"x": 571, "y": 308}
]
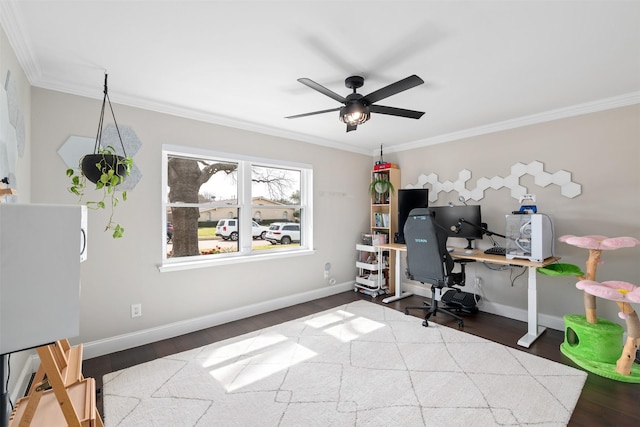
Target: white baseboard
[
  {"x": 138, "y": 338},
  {"x": 24, "y": 377},
  {"x": 123, "y": 342},
  {"x": 552, "y": 322}
]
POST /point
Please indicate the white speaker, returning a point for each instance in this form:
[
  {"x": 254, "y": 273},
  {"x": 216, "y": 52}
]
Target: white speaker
[{"x": 529, "y": 236}]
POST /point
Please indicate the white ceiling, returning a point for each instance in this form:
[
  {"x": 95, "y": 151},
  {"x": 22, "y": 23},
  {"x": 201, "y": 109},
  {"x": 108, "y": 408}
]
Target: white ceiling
[{"x": 487, "y": 65}]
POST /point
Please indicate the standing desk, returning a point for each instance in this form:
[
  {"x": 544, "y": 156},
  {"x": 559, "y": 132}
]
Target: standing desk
[
  {"x": 398, "y": 249},
  {"x": 533, "y": 329}
]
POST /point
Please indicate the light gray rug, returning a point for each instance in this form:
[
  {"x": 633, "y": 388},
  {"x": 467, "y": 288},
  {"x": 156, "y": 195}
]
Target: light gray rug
[{"x": 360, "y": 364}]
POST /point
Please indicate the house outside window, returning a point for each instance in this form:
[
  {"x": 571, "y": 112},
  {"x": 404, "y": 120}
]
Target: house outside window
[{"x": 221, "y": 206}]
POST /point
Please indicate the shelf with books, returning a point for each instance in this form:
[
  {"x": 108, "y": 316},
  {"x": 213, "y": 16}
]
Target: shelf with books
[{"x": 384, "y": 209}]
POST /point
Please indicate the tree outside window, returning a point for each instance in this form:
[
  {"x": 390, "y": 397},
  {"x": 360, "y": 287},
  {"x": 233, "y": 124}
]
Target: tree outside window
[{"x": 204, "y": 188}]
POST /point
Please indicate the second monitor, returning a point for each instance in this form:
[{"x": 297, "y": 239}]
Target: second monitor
[
  {"x": 460, "y": 221},
  {"x": 408, "y": 199}
]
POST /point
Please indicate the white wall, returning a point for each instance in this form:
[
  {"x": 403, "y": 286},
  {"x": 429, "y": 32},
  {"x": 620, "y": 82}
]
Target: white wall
[
  {"x": 601, "y": 151},
  {"x": 20, "y": 366},
  {"x": 124, "y": 271}
]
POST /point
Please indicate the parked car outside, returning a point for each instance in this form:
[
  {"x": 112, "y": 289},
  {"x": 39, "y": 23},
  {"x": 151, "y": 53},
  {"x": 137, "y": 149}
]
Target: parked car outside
[
  {"x": 283, "y": 232},
  {"x": 258, "y": 231},
  {"x": 228, "y": 229}
]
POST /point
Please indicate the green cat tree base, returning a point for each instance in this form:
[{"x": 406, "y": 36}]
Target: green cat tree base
[{"x": 596, "y": 347}]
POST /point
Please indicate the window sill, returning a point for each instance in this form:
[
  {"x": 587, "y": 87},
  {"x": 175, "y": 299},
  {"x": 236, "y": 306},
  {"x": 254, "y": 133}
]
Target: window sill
[{"x": 192, "y": 264}]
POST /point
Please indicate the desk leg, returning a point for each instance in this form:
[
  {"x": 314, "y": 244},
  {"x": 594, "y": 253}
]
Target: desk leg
[
  {"x": 399, "y": 294},
  {"x": 533, "y": 330}
]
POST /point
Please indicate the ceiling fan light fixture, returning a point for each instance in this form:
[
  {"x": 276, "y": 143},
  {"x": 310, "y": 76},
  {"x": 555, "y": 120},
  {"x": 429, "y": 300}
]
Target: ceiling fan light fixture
[
  {"x": 357, "y": 108},
  {"x": 354, "y": 114}
]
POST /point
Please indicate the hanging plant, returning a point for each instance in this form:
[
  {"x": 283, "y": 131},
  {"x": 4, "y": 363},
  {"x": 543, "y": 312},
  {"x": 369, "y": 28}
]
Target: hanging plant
[{"x": 106, "y": 170}]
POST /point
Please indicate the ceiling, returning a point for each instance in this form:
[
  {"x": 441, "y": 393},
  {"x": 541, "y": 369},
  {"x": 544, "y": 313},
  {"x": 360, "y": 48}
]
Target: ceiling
[{"x": 487, "y": 65}]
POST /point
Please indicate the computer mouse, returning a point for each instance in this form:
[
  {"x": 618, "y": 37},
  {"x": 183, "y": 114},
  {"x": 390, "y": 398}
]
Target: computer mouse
[
  {"x": 468, "y": 251},
  {"x": 449, "y": 249}
]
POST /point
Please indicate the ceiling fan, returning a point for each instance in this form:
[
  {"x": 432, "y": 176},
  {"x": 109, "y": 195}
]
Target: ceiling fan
[{"x": 357, "y": 108}]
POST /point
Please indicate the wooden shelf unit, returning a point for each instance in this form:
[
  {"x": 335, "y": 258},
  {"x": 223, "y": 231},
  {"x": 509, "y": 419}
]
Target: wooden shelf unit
[{"x": 384, "y": 217}]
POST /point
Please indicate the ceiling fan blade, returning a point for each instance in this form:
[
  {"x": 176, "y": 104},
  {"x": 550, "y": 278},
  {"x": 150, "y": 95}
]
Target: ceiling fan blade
[
  {"x": 393, "y": 88},
  {"x": 392, "y": 111},
  {"x": 313, "y": 113},
  {"x": 322, "y": 89},
  {"x": 351, "y": 127}
]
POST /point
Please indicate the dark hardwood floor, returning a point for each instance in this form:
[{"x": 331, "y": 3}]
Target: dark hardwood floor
[{"x": 603, "y": 402}]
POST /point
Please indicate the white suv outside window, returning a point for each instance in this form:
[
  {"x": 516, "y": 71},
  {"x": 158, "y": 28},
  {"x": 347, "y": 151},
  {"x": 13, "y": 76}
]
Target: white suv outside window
[
  {"x": 283, "y": 232},
  {"x": 228, "y": 229}
]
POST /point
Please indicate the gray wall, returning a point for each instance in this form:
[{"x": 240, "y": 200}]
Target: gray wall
[
  {"x": 124, "y": 271},
  {"x": 601, "y": 151}
]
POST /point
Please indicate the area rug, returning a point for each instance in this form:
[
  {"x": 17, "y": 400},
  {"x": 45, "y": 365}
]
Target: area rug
[{"x": 360, "y": 364}]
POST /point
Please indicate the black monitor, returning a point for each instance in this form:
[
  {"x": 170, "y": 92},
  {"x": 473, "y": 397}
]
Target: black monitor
[
  {"x": 409, "y": 198},
  {"x": 459, "y": 221}
]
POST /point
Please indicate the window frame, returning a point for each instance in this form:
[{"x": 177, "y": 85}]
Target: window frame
[{"x": 244, "y": 206}]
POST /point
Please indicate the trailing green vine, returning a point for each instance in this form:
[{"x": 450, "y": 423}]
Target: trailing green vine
[{"x": 111, "y": 171}]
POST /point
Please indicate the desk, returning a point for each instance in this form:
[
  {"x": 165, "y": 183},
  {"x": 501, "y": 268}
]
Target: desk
[
  {"x": 398, "y": 249},
  {"x": 533, "y": 329}
]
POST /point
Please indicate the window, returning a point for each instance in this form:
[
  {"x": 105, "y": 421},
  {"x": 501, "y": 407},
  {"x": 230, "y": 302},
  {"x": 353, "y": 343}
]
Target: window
[{"x": 221, "y": 207}]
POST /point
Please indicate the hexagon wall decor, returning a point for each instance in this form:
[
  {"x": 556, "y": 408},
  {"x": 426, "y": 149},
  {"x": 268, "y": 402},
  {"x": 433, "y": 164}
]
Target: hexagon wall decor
[
  {"x": 75, "y": 147},
  {"x": 561, "y": 178}
]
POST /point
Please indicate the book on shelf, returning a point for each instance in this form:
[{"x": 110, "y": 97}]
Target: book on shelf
[{"x": 381, "y": 220}]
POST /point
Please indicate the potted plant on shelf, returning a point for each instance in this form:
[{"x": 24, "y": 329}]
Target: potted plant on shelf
[
  {"x": 380, "y": 184},
  {"x": 106, "y": 169}
]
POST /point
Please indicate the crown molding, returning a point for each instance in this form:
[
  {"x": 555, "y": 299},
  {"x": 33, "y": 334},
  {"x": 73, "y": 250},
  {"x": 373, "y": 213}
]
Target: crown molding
[
  {"x": 19, "y": 40},
  {"x": 189, "y": 113},
  {"x": 560, "y": 113},
  {"x": 12, "y": 24}
]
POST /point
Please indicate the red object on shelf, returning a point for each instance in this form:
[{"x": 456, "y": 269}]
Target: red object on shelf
[{"x": 381, "y": 166}]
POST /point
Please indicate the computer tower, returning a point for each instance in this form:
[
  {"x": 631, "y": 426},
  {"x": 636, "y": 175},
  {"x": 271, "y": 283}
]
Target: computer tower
[
  {"x": 529, "y": 236},
  {"x": 408, "y": 199}
]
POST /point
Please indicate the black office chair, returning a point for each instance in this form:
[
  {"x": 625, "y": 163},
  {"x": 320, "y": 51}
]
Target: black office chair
[{"x": 428, "y": 260}]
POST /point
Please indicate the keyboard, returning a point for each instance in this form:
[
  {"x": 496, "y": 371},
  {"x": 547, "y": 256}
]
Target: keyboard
[{"x": 496, "y": 250}]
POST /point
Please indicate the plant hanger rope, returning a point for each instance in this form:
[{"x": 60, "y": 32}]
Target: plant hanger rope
[{"x": 101, "y": 121}]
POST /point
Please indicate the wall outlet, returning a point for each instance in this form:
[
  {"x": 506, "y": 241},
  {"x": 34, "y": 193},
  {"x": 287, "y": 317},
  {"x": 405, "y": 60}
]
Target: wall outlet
[
  {"x": 136, "y": 310},
  {"x": 327, "y": 269}
]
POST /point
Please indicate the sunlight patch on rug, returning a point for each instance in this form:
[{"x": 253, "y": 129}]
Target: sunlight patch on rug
[{"x": 359, "y": 364}]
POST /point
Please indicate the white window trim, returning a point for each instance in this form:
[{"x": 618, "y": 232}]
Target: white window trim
[{"x": 244, "y": 198}]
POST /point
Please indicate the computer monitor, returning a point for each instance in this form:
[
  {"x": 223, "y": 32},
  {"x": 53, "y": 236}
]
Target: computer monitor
[
  {"x": 459, "y": 221},
  {"x": 409, "y": 198}
]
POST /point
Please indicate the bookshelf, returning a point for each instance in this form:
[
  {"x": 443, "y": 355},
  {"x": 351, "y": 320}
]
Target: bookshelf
[{"x": 384, "y": 215}]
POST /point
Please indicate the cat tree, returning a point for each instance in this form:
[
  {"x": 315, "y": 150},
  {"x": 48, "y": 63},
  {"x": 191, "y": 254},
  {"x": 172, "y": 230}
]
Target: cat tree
[{"x": 592, "y": 343}]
